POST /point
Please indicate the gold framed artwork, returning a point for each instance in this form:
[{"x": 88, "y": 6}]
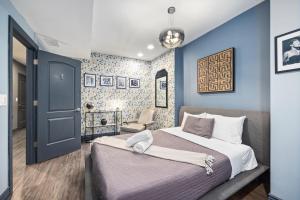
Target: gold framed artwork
[{"x": 215, "y": 73}]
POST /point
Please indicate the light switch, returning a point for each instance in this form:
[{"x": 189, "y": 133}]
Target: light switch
[{"x": 3, "y": 100}]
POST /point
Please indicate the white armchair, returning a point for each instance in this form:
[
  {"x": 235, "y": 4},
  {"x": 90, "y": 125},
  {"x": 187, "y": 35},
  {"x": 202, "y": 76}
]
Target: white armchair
[{"x": 145, "y": 121}]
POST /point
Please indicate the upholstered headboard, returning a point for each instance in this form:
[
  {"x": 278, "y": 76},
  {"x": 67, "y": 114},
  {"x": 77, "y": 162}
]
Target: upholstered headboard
[{"x": 256, "y": 128}]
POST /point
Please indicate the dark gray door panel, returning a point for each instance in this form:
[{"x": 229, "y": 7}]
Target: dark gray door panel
[
  {"x": 62, "y": 86},
  {"x": 58, "y": 99},
  {"x": 58, "y": 125}
]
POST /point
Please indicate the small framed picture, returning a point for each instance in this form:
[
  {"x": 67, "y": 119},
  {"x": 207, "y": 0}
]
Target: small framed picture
[
  {"x": 106, "y": 81},
  {"x": 163, "y": 85},
  {"x": 134, "y": 83},
  {"x": 287, "y": 52},
  {"x": 121, "y": 82},
  {"x": 89, "y": 80}
]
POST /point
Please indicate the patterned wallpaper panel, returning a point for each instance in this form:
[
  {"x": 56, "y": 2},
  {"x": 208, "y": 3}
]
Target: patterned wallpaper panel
[
  {"x": 130, "y": 100},
  {"x": 165, "y": 117}
]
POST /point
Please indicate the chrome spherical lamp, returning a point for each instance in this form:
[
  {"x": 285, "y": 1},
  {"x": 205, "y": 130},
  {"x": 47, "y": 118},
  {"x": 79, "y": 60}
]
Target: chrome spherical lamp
[{"x": 171, "y": 37}]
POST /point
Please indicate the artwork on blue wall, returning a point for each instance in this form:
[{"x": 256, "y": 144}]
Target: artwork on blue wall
[
  {"x": 287, "y": 52},
  {"x": 216, "y": 72}
]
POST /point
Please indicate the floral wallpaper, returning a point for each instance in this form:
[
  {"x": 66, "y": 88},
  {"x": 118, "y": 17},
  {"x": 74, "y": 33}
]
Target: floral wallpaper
[
  {"x": 161, "y": 92},
  {"x": 130, "y": 100},
  {"x": 165, "y": 117}
]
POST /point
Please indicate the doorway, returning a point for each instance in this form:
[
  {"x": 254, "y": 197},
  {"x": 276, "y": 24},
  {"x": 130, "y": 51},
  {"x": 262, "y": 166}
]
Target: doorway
[
  {"x": 22, "y": 91},
  {"x": 19, "y": 109},
  {"x": 47, "y": 101}
]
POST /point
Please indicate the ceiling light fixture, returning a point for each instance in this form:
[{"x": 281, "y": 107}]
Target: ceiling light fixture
[
  {"x": 150, "y": 46},
  {"x": 140, "y": 54},
  {"x": 172, "y": 37}
]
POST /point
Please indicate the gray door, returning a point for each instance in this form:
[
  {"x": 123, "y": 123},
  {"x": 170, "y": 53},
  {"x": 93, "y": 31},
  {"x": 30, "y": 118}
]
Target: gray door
[
  {"x": 21, "y": 101},
  {"x": 58, "y": 115}
]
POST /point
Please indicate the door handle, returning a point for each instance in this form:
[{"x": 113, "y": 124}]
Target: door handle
[{"x": 77, "y": 110}]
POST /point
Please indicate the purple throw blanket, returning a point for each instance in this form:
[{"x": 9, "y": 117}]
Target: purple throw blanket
[{"x": 123, "y": 175}]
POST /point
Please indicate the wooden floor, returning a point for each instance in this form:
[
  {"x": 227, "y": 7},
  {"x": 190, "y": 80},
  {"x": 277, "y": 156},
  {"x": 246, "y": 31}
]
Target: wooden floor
[
  {"x": 59, "y": 178},
  {"x": 63, "y": 178}
]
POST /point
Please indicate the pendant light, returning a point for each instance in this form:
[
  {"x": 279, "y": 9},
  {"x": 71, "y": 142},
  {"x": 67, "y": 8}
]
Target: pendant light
[{"x": 172, "y": 37}]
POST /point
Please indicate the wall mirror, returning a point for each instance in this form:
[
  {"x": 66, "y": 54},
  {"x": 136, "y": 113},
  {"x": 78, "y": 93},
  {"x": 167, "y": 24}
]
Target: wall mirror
[{"x": 161, "y": 89}]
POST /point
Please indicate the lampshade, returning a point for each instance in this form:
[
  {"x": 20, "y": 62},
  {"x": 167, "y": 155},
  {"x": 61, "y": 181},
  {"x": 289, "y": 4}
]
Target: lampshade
[{"x": 171, "y": 38}]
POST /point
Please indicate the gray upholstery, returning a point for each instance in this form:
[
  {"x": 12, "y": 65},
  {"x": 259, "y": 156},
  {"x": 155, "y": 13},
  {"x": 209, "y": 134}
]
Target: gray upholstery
[
  {"x": 229, "y": 188},
  {"x": 133, "y": 127},
  {"x": 90, "y": 194},
  {"x": 144, "y": 122},
  {"x": 256, "y": 128}
]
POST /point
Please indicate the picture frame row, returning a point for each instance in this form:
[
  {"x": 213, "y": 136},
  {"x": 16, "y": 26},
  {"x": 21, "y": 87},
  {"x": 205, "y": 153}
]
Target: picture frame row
[{"x": 108, "y": 81}]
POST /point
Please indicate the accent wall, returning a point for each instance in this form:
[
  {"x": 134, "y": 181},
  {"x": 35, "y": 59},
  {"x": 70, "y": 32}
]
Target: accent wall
[
  {"x": 130, "y": 100},
  {"x": 249, "y": 34},
  {"x": 165, "y": 117}
]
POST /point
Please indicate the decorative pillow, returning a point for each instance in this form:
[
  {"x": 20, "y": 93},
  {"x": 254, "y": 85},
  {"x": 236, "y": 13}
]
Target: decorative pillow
[
  {"x": 185, "y": 115},
  {"x": 199, "y": 126},
  {"x": 229, "y": 129}
]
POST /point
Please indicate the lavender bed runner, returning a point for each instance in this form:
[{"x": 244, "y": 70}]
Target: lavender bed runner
[
  {"x": 200, "y": 159},
  {"x": 122, "y": 175}
]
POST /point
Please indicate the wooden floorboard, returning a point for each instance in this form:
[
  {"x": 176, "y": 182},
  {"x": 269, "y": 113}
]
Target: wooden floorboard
[
  {"x": 62, "y": 178},
  {"x": 59, "y": 178}
]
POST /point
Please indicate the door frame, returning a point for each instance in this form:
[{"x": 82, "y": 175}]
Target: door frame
[{"x": 15, "y": 30}]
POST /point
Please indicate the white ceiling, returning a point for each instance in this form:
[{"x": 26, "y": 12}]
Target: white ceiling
[
  {"x": 122, "y": 27},
  {"x": 19, "y": 51},
  {"x": 61, "y": 26}
]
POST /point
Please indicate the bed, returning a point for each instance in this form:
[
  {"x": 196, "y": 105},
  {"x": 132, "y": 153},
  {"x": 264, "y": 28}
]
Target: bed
[{"x": 112, "y": 170}]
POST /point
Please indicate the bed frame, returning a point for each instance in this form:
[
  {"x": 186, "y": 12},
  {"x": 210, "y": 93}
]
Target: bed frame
[{"x": 256, "y": 134}]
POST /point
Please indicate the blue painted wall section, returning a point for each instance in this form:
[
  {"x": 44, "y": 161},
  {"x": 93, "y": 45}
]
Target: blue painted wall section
[
  {"x": 6, "y": 9},
  {"x": 179, "y": 88},
  {"x": 249, "y": 34}
]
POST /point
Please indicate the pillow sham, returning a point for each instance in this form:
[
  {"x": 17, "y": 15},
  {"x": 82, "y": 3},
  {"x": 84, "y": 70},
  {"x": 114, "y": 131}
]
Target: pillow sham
[
  {"x": 229, "y": 129},
  {"x": 185, "y": 115},
  {"x": 199, "y": 126}
]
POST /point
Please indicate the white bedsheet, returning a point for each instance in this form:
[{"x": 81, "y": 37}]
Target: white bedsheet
[{"x": 241, "y": 156}]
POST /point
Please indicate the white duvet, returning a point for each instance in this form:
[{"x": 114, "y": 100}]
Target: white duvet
[{"x": 241, "y": 156}]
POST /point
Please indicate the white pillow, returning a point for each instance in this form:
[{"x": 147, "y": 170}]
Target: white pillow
[
  {"x": 185, "y": 115},
  {"x": 229, "y": 129}
]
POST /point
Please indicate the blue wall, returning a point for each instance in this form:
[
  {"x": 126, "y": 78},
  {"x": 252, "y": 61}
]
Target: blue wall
[
  {"x": 179, "y": 89},
  {"x": 249, "y": 34},
  {"x": 6, "y": 9}
]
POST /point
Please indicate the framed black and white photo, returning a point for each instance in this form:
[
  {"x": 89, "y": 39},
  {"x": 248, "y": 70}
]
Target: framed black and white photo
[
  {"x": 121, "y": 82},
  {"x": 163, "y": 85},
  {"x": 89, "y": 80},
  {"x": 134, "y": 83},
  {"x": 106, "y": 80},
  {"x": 287, "y": 52}
]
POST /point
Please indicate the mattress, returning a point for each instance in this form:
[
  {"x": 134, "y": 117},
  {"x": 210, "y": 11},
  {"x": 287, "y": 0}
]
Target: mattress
[
  {"x": 241, "y": 156},
  {"x": 122, "y": 175}
]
